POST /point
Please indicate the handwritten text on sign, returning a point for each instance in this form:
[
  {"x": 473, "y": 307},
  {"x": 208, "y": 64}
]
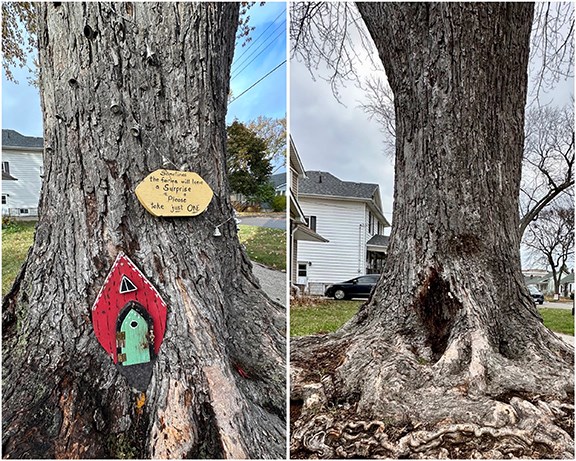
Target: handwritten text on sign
[{"x": 174, "y": 193}]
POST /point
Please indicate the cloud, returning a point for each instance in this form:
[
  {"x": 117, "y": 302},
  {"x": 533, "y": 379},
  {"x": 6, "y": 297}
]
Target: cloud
[
  {"x": 338, "y": 138},
  {"x": 21, "y": 105}
]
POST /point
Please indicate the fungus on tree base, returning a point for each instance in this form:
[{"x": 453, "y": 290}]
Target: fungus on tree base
[{"x": 129, "y": 319}]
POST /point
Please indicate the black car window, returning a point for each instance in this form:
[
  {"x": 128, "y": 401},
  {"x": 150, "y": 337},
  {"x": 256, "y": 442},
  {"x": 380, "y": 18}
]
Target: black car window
[{"x": 367, "y": 280}]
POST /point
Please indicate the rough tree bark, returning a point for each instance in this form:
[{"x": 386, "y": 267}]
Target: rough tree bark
[
  {"x": 125, "y": 85},
  {"x": 449, "y": 357}
]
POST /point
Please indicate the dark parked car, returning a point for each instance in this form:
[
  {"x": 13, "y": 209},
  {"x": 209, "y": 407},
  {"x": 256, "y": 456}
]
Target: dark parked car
[
  {"x": 537, "y": 295},
  {"x": 360, "y": 287}
]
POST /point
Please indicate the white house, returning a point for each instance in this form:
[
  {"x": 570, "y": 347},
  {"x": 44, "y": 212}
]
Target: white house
[
  {"x": 299, "y": 230},
  {"x": 22, "y": 170},
  {"x": 349, "y": 215},
  {"x": 278, "y": 180}
]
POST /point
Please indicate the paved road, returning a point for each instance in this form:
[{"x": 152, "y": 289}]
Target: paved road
[
  {"x": 557, "y": 305},
  {"x": 260, "y": 221}
]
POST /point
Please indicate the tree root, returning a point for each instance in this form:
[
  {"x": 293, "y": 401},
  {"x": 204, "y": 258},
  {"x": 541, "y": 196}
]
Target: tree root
[
  {"x": 382, "y": 398},
  {"x": 323, "y": 437}
]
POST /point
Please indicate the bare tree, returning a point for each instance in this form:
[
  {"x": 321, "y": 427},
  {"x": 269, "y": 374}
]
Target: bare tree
[
  {"x": 551, "y": 238},
  {"x": 449, "y": 357},
  {"x": 552, "y": 46},
  {"x": 379, "y": 105},
  {"x": 322, "y": 34},
  {"x": 548, "y": 165},
  {"x": 549, "y": 147}
]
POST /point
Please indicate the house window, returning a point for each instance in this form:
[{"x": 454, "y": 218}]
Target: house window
[
  {"x": 6, "y": 167},
  {"x": 370, "y": 222},
  {"x": 302, "y": 269},
  {"x": 4, "y": 199},
  {"x": 24, "y": 211},
  {"x": 311, "y": 220}
]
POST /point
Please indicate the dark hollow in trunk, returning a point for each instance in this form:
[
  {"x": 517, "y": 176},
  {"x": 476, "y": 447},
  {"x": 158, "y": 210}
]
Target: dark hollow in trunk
[
  {"x": 449, "y": 358},
  {"x": 125, "y": 86}
]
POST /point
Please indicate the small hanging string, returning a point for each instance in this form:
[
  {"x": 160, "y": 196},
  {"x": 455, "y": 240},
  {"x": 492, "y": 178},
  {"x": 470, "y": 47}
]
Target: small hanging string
[
  {"x": 167, "y": 161},
  {"x": 217, "y": 232}
]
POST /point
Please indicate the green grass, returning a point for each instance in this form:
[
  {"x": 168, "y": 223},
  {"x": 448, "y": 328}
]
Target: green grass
[
  {"x": 264, "y": 245},
  {"x": 16, "y": 239},
  {"x": 320, "y": 315},
  {"x": 558, "y": 320},
  {"x": 325, "y": 316}
]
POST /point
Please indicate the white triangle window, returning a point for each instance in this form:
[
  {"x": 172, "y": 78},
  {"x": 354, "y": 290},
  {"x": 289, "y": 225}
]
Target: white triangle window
[{"x": 126, "y": 285}]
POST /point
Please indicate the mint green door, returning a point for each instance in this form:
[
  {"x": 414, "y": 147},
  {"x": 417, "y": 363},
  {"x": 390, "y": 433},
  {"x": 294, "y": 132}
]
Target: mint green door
[{"x": 136, "y": 347}]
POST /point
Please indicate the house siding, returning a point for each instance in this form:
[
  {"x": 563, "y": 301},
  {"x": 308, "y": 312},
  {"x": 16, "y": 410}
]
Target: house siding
[
  {"x": 24, "y": 193},
  {"x": 343, "y": 223},
  {"x": 293, "y": 185},
  {"x": 294, "y": 182}
]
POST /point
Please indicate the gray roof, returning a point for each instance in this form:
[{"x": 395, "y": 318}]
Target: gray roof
[
  {"x": 568, "y": 279},
  {"x": 323, "y": 183},
  {"x": 278, "y": 179},
  {"x": 378, "y": 240},
  {"x": 11, "y": 138},
  {"x": 536, "y": 280}
]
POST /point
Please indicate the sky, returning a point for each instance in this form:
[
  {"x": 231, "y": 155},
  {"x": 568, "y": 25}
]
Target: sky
[
  {"x": 21, "y": 102},
  {"x": 254, "y": 60}
]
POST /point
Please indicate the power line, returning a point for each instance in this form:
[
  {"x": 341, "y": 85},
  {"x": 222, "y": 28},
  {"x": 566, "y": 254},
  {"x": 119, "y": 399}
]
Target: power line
[
  {"x": 253, "y": 59},
  {"x": 256, "y": 83},
  {"x": 256, "y": 39},
  {"x": 238, "y": 63}
]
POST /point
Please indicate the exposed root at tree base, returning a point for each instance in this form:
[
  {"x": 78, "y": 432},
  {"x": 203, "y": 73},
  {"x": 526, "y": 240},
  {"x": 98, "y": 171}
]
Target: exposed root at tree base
[
  {"x": 326, "y": 438},
  {"x": 374, "y": 399}
]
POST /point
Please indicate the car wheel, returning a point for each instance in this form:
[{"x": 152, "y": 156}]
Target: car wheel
[
  {"x": 339, "y": 294},
  {"x": 541, "y": 302}
]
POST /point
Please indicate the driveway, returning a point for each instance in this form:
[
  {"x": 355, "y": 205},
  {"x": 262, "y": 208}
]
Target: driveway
[
  {"x": 272, "y": 282},
  {"x": 261, "y": 221}
]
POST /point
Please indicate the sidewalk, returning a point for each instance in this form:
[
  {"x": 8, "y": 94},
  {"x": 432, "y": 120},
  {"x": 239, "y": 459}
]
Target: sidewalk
[
  {"x": 272, "y": 282},
  {"x": 569, "y": 339}
]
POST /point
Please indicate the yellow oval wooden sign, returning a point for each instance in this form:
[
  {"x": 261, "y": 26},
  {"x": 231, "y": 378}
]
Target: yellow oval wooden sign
[{"x": 174, "y": 193}]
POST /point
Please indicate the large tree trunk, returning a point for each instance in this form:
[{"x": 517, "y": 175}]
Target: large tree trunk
[
  {"x": 449, "y": 358},
  {"x": 218, "y": 383}
]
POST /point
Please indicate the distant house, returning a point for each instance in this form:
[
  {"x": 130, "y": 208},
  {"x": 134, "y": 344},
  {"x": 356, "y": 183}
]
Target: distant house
[
  {"x": 279, "y": 182},
  {"x": 567, "y": 286},
  {"x": 22, "y": 170},
  {"x": 349, "y": 215},
  {"x": 299, "y": 230},
  {"x": 544, "y": 281}
]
